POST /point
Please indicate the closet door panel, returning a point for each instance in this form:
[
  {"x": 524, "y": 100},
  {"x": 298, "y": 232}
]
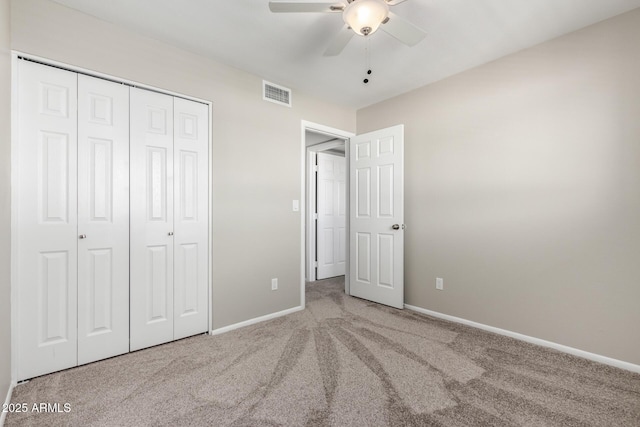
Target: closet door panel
[
  {"x": 191, "y": 128},
  {"x": 103, "y": 219},
  {"x": 47, "y": 219},
  {"x": 151, "y": 243}
]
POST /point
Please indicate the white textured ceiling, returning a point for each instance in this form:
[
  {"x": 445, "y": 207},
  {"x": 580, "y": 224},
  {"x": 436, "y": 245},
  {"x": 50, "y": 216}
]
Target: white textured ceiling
[{"x": 287, "y": 49}]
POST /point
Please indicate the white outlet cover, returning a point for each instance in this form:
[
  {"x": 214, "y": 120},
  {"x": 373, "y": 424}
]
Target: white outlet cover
[{"x": 439, "y": 283}]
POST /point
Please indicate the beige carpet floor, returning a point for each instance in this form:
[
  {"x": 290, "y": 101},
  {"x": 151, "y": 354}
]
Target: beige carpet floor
[{"x": 341, "y": 362}]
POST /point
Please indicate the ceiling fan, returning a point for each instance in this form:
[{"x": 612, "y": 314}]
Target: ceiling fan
[{"x": 362, "y": 17}]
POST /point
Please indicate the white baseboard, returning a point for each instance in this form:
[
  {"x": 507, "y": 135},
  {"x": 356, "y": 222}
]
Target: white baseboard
[
  {"x": 255, "y": 320},
  {"x": 3, "y": 415},
  {"x": 563, "y": 348}
]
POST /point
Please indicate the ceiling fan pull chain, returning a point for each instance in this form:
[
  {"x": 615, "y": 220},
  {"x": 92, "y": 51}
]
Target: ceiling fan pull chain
[{"x": 367, "y": 59}]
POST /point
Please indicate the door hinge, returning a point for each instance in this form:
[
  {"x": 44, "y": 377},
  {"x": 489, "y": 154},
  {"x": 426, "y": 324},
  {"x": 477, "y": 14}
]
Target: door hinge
[
  {"x": 315, "y": 168},
  {"x": 315, "y": 216},
  {"x": 315, "y": 264}
]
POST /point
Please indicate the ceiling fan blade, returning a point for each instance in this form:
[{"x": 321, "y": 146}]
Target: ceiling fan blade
[
  {"x": 288, "y": 6},
  {"x": 339, "y": 41},
  {"x": 394, "y": 2},
  {"x": 403, "y": 30}
]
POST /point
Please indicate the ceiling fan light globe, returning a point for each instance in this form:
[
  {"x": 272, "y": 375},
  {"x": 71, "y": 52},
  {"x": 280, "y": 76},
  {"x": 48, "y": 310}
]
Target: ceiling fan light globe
[{"x": 365, "y": 16}]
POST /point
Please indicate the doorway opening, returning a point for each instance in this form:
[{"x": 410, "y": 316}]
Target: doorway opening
[{"x": 325, "y": 186}]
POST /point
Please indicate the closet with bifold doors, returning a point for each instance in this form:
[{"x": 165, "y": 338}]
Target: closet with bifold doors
[{"x": 110, "y": 199}]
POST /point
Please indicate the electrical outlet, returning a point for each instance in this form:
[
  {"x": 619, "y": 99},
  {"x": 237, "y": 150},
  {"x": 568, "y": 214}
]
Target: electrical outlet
[
  {"x": 274, "y": 284},
  {"x": 439, "y": 283}
]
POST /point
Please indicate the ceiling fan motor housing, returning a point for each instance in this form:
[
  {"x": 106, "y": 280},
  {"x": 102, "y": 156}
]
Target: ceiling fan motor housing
[{"x": 365, "y": 16}]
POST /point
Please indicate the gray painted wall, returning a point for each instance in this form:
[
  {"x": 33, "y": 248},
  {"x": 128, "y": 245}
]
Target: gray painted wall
[
  {"x": 5, "y": 197},
  {"x": 256, "y": 148},
  {"x": 523, "y": 190}
]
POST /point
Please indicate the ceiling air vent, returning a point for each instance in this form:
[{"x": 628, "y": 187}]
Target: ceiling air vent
[{"x": 274, "y": 93}]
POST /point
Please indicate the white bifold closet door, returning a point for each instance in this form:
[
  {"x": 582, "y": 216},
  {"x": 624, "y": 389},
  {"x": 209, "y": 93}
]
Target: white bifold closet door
[
  {"x": 48, "y": 221},
  {"x": 169, "y": 221},
  {"x": 103, "y": 219},
  {"x": 72, "y": 219},
  {"x": 191, "y": 217},
  {"x": 151, "y": 218}
]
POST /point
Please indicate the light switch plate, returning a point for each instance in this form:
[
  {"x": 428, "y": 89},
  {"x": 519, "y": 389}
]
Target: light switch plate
[{"x": 296, "y": 205}]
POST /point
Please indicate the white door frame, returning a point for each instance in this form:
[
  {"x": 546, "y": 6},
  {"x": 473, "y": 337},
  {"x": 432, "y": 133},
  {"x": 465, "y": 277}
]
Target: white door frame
[
  {"x": 331, "y": 132},
  {"x": 15, "y": 194}
]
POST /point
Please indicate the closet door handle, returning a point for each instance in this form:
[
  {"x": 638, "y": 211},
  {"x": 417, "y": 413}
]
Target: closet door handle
[
  {"x": 171, "y": 233},
  {"x": 82, "y": 236}
]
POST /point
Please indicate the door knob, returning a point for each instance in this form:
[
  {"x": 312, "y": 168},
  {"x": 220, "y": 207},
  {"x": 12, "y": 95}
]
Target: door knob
[
  {"x": 82, "y": 236},
  {"x": 397, "y": 226},
  {"x": 171, "y": 233}
]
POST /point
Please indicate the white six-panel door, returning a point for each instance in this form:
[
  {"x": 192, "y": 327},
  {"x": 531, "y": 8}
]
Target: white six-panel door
[
  {"x": 191, "y": 128},
  {"x": 331, "y": 207},
  {"x": 151, "y": 286},
  {"x": 103, "y": 219},
  {"x": 376, "y": 228},
  {"x": 47, "y": 219}
]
